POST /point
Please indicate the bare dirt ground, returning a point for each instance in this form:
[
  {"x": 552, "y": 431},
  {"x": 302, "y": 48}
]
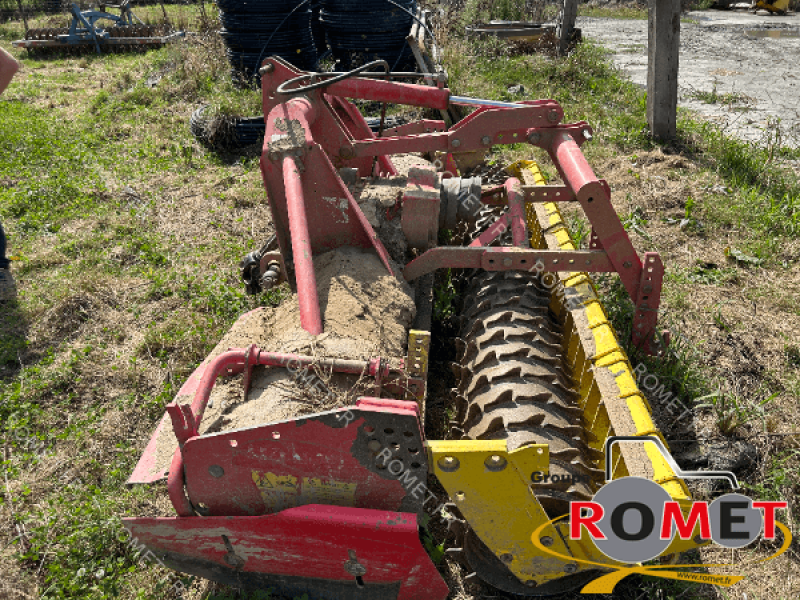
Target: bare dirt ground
[{"x": 736, "y": 69}]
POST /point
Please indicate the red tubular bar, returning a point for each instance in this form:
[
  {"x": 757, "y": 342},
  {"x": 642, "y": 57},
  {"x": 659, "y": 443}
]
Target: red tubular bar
[
  {"x": 424, "y": 142},
  {"x": 415, "y": 127},
  {"x": 513, "y": 218},
  {"x": 577, "y": 172},
  {"x": 516, "y": 206},
  {"x": 310, "y": 316},
  {"x": 235, "y": 361},
  {"x": 595, "y": 200},
  {"x": 391, "y": 91},
  {"x": 175, "y": 487}
]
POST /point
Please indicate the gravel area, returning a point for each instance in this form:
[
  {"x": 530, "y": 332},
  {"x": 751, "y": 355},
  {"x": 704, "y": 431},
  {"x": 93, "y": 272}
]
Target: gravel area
[{"x": 737, "y": 69}]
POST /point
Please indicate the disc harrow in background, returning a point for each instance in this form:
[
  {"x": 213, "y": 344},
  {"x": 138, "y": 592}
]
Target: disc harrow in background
[{"x": 53, "y": 34}]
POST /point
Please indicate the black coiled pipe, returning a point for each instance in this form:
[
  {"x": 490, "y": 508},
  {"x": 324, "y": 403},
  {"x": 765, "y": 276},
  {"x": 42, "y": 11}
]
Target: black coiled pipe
[
  {"x": 252, "y": 30},
  {"x": 360, "y": 31}
]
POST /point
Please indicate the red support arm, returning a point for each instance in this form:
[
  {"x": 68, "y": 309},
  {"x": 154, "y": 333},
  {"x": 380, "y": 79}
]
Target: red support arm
[
  {"x": 506, "y": 259},
  {"x": 516, "y": 210},
  {"x": 310, "y": 316},
  {"x": 595, "y": 198}
]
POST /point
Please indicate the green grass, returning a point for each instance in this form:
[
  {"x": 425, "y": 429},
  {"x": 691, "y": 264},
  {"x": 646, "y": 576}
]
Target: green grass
[
  {"x": 766, "y": 201},
  {"x": 52, "y": 170},
  {"x": 92, "y": 261},
  {"x": 584, "y": 83},
  {"x": 627, "y": 13},
  {"x": 480, "y": 11},
  {"x": 713, "y": 97}
]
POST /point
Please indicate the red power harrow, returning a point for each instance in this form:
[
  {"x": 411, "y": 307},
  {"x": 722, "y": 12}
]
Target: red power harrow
[{"x": 360, "y": 537}]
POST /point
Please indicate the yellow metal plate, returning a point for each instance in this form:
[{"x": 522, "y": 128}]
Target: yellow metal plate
[{"x": 492, "y": 489}]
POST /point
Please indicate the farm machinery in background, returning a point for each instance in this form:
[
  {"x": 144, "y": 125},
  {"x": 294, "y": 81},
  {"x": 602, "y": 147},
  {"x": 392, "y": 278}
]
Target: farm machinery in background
[
  {"x": 773, "y": 7},
  {"x": 561, "y": 35},
  {"x": 332, "y": 503},
  {"x": 98, "y": 30}
]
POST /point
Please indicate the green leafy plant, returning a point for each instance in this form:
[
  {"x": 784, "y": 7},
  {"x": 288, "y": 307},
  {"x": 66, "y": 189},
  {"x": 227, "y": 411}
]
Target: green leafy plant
[
  {"x": 732, "y": 411},
  {"x": 444, "y": 296},
  {"x": 434, "y": 550},
  {"x": 579, "y": 231},
  {"x": 636, "y": 221}
]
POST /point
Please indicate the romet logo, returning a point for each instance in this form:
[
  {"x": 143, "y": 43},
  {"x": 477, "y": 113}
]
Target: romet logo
[{"x": 633, "y": 520}]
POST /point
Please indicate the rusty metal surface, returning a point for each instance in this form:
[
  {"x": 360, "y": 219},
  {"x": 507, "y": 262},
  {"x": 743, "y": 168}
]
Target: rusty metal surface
[{"x": 503, "y": 125}]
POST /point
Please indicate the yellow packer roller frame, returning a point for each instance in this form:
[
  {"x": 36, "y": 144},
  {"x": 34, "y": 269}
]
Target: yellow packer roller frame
[{"x": 492, "y": 487}]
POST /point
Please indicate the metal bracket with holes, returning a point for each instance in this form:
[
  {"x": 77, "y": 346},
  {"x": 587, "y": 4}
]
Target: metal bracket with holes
[{"x": 493, "y": 488}]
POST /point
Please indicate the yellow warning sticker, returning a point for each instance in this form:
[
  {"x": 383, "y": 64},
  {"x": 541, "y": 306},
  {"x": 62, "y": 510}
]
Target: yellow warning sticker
[
  {"x": 279, "y": 492},
  {"x": 337, "y": 493}
]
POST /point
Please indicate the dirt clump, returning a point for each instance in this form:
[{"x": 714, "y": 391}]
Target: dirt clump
[
  {"x": 403, "y": 163},
  {"x": 366, "y": 313},
  {"x": 379, "y": 199}
]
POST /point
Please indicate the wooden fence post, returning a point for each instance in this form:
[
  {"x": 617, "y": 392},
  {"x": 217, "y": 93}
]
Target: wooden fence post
[{"x": 663, "y": 40}]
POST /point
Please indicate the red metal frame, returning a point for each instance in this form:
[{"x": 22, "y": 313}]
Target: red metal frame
[
  {"x": 331, "y": 124},
  {"x": 334, "y": 552},
  {"x": 507, "y": 259},
  {"x": 185, "y": 413},
  {"x": 319, "y": 213},
  {"x": 321, "y": 458},
  {"x": 256, "y": 505},
  {"x": 186, "y": 418}
]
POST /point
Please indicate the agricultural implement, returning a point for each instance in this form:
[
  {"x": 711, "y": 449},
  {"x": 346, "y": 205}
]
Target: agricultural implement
[
  {"x": 88, "y": 30},
  {"x": 275, "y": 489}
]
